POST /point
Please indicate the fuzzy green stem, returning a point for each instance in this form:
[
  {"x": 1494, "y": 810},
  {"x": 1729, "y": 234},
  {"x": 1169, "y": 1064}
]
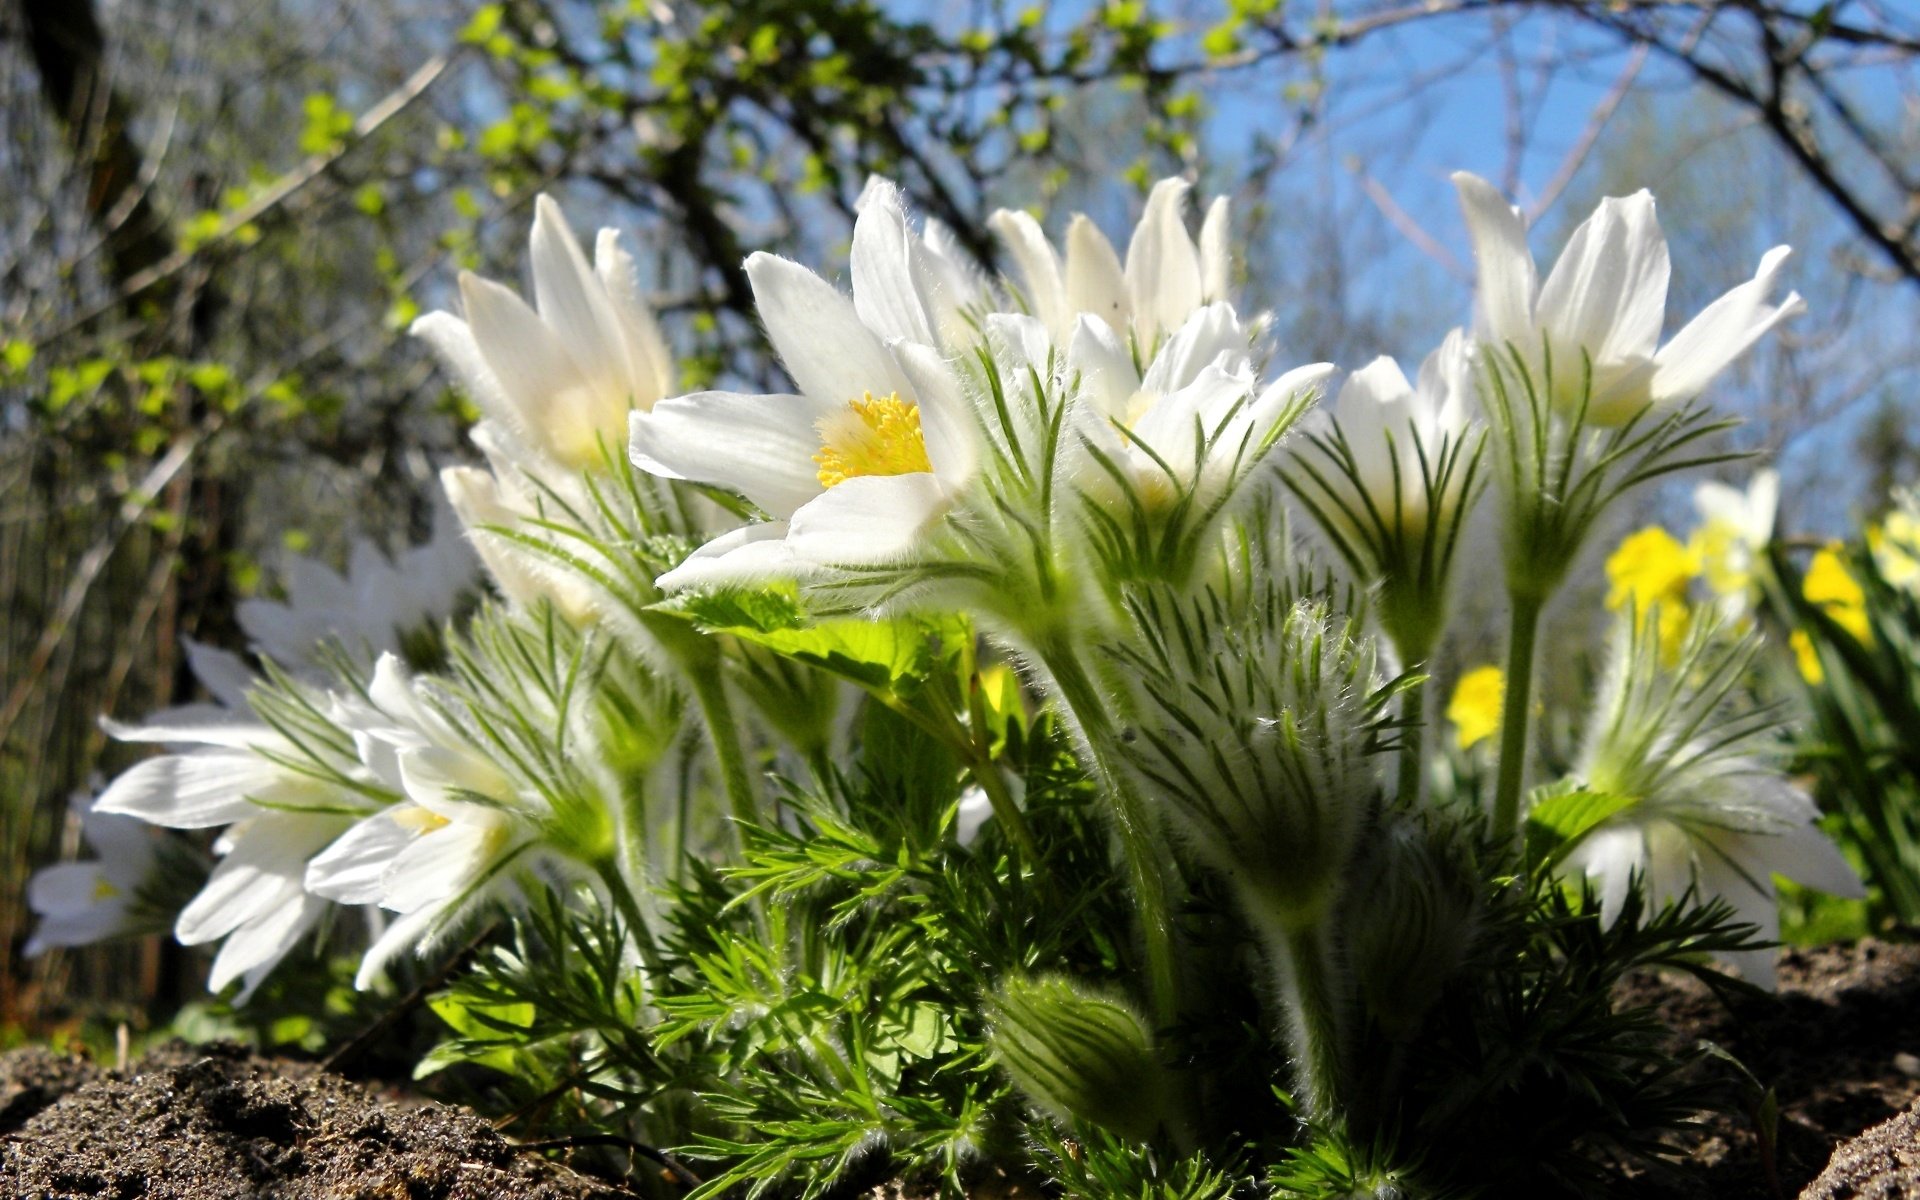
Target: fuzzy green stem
[
  {"x": 629, "y": 909},
  {"x": 986, "y": 773},
  {"x": 723, "y": 733},
  {"x": 1310, "y": 985},
  {"x": 699, "y": 661},
  {"x": 1514, "y": 711},
  {"x": 1413, "y": 715},
  {"x": 1146, "y": 858}
]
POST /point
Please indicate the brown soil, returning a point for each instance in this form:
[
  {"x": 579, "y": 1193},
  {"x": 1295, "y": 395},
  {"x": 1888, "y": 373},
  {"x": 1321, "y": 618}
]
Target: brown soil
[
  {"x": 216, "y": 1122},
  {"x": 1839, "y": 1048}
]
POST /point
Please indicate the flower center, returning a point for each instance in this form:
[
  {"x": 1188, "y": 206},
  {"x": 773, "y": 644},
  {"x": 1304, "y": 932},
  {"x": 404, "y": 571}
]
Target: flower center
[{"x": 871, "y": 436}]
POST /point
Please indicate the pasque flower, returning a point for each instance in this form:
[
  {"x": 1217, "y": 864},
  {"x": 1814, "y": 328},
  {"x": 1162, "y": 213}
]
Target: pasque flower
[
  {"x": 375, "y": 606},
  {"x": 1705, "y": 804},
  {"x": 452, "y": 842},
  {"x": 90, "y": 900},
  {"x": 281, "y": 800},
  {"x": 1603, "y": 305},
  {"x": 1165, "y": 279},
  {"x": 871, "y": 451},
  {"x": 559, "y": 378},
  {"x": 1387, "y": 473}
]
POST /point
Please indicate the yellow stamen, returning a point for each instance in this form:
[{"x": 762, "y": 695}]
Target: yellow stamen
[
  {"x": 871, "y": 437},
  {"x": 419, "y": 819},
  {"x": 103, "y": 890}
]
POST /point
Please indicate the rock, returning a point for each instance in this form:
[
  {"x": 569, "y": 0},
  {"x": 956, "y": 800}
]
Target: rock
[{"x": 1881, "y": 1164}]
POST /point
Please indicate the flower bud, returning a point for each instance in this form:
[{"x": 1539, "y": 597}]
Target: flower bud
[{"x": 1080, "y": 1056}]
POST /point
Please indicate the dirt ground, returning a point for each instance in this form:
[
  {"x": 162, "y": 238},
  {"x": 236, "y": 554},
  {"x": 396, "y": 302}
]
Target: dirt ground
[
  {"x": 217, "y": 1123},
  {"x": 1840, "y": 1047}
]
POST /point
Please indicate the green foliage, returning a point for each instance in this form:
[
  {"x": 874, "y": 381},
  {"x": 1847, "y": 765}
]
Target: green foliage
[{"x": 1865, "y": 705}]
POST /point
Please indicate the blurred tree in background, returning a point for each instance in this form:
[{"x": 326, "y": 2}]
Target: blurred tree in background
[{"x": 218, "y": 218}]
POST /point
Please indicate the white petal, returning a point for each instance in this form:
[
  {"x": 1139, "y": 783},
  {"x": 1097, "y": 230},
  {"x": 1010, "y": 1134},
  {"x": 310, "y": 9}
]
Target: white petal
[
  {"x": 538, "y": 378},
  {"x": 868, "y": 519},
  {"x": 1216, "y": 262},
  {"x": 1608, "y": 290},
  {"x": 440, "y": 778},
  {"x": 194, "y": 725},
  {"x": 66, "y": 888},
  {"x": 191, "y": 791},
  {"x": 1291, "y": 386},
  {"x": 946, "y": 418},
  {"x": 1038, "y": 267},
  {"x": 1375, "y": 404},
  {"x": 1609, "y": 856},
  {"x": 451, "y": 340},
  {"x": 573, "y": 303},
  {"x": 759, "y": 446},
  {"x": 1199, "y": 342},
  {"x": 79, "y": 928},
  {"x": 746, "y": 556},
  {"x": 257, "y": 947},
  {"x": 400, "y": 937},
  {"x": 885, "y": 294},
  {"x": 819, "y": 336},
  {"x": 975, "y": 811},
  {"x": 1096, "y": 283},
  {"x": 1507, "y": 282},
  {"x": 265, "y": 868},
  {"x": 437, "y": 866},
  {"x": 224, "y": 674},
  {"x": 1163, "y": 268},
  {"x": 1722, "y": 332},
  {"x": 350, "y": 870},
  {"x": 649, "y": 362},
  {"x": 1099, "y": 357}
]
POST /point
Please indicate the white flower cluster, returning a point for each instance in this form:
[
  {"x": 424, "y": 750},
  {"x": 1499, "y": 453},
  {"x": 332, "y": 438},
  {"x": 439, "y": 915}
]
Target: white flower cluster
[{"x": 1031, "y": 450}]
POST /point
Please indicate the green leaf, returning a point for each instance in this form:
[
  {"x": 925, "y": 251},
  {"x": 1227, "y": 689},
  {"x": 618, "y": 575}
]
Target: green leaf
[
  {"x": 1562, "y": 814},
  {"x": 886, "y": 656}
]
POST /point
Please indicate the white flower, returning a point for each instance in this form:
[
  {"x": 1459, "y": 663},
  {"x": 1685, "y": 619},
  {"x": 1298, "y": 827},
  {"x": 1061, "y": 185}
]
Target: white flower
[
  {"x": 560, "y": 380},
  {"x": 943, "y": 280},
  {"x": 1606, "y": 301},
  {"x": 501, "y": 512},
  {"x": 1735, "y": 529},
  {"x": 1705, "y": 804},
  {"x": 444, "y": 850},
  {"x": 1189, "y": 422},
  {"x": 1391, "y": 428},
  {"x": 280, "y": 806},
  {"x": 369, "y": 610},
  {"x": 83, "y": 902},
  {"x": 1165, "y": 279},
  {"x": 871, "y": 452}
]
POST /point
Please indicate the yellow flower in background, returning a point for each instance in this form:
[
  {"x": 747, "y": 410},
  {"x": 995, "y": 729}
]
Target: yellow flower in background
[
  {"x": 1831, "y": 586},
  {"x": 1650, "y": 571},
  {"x": 1807, "y": 657},
  {"x": 1475, "y": 706},
  {"x": 1650, "y": 567}
]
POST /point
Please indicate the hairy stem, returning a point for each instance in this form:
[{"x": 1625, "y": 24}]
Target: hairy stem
[
  {"x": 1310, "y": 986},
  {"x": 1413, "y": 714},
  {"x": 1513, "y": 716},
  {"x": 1146, "y": 856}
]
